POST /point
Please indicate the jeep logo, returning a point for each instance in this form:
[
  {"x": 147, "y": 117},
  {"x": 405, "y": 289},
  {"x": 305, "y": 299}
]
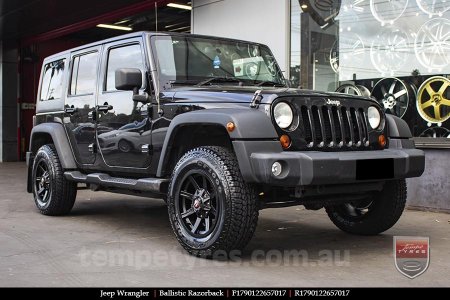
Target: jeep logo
[{"x": 333, "y": 102}]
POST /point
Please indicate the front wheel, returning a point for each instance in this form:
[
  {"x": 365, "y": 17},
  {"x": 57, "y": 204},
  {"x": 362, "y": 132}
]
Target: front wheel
[
  {"x": 373, "y": 215},
  {"x": 210, "y": 206}
]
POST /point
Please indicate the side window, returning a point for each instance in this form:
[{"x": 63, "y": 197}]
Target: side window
[
  {"x": 52, "y": 80},
  {"x": 84, "y": 73},
  {"x": 123, "y": 57}
]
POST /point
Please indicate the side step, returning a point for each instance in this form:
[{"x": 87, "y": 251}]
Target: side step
[{"x": 152, "y": 185}]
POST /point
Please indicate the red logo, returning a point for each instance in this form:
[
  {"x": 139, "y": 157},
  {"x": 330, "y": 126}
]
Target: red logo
[{"x": 412, "y": 255}]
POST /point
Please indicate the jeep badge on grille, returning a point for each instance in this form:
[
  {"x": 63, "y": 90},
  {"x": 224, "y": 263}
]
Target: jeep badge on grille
[{"x": 333, "y": 102}]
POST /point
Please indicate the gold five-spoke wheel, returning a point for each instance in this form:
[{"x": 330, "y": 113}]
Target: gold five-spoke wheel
[{"x": 433, "y": 101}]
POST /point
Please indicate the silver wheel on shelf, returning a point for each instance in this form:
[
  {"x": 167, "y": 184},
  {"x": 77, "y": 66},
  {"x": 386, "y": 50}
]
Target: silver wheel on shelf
[
  {"x": 387, "y": 12},
  {"x": 356, "y": 90},
  {"x": 433, "y": 7},
  {"x": 389, "y": 51},
  {"x": 432, "y": 44}
]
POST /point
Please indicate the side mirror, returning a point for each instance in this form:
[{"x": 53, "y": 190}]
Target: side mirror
[{"x": 128, "y": 79}]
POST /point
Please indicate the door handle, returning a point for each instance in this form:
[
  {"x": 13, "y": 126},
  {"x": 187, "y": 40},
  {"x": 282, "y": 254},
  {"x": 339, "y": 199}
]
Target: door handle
[
  {"x": 70, "y": 110},
  {"x": 105, "y": 107}
]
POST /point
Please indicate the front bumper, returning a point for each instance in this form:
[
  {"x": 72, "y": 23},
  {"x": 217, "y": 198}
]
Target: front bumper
[{"x": 322, "y": 168}]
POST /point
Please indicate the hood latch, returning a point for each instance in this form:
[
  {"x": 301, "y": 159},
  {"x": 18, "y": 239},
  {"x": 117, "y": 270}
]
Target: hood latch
[{"x": 256, "y": 100}]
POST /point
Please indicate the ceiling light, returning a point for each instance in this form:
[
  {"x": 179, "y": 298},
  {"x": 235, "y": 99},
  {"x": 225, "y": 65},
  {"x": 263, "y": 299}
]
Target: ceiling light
[
  {"x": 180, "y": 6},
  {"x": 115, "y": 27}
]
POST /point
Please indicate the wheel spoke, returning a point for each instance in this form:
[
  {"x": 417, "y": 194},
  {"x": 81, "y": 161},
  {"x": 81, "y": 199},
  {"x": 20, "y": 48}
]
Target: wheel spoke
[
  {"x": 38, "y": 179},
  {"x": 187, "y": 213},
  {"x": 445, "y": 102},
  {"x": 42, "y": 189},
  {"x": 194, "y": 183},
  {"x": 399, "y": 94},
  {"x": 187, "y": 195},
  {"x": 427, "y": 104},
  {"x": 42, "y": 169},
  {"x": 437, "y": 112},
  {"x": 443, "y": 88},
  {"x": 391, "y": 89},
  {"x": 430, "y": 90},
  {"x": 213, "y": 211},
  {"x": 351, "y": 210},
  {"x": 207, "y": 224},
  {"x": 195, "y": 226}
]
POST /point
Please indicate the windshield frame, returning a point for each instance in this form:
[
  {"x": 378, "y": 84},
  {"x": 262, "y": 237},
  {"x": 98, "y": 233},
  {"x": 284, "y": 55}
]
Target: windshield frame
[{"x": 164, "y": 84}]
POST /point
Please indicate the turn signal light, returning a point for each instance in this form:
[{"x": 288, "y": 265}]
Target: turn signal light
[
  {"x": 285, "y": 141},
  {"x": 382, "y": 141},
  {"x": 231, "y": 126}
]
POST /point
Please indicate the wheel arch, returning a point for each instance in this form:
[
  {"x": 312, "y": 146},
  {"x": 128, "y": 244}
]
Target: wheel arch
[
  {"x": 53, "y": 133},
  {"x": 397, "y": 128},
  {"x": 208, "y": 128}
]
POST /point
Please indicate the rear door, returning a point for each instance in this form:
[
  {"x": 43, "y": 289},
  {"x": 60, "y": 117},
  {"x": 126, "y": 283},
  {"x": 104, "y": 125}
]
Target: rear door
[
  {"x": 80, "y": 103},
  {"x": 125, "y": 125}
]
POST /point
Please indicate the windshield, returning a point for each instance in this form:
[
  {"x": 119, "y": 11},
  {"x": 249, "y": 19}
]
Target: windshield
[{"x": 193, "y": 60}]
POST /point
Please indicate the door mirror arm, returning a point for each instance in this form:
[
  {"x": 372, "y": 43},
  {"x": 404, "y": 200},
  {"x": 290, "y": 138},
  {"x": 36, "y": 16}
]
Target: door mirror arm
[{"x": 145, "y": 98}]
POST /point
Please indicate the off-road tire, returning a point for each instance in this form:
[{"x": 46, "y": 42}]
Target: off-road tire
[
  {"x": 61, "y": 192},
  {"x": 384, "y": 211},
  {"x": 237, "y": 218}
]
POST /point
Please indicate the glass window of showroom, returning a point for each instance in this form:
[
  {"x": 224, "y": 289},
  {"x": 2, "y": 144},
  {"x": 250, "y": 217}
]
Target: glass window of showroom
[{"x": 396, "y": 51}]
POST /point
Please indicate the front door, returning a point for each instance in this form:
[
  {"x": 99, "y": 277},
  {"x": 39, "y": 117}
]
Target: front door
[
  {"x": 123, "y": 126},
  {"x": 80, "y": 104}
]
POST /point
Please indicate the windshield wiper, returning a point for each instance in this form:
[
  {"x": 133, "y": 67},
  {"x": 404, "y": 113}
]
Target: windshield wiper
[
  {"x": 183, "y": 82},
  {"x": 270, "y": 83},
  {"x": 219, "y": 79}
]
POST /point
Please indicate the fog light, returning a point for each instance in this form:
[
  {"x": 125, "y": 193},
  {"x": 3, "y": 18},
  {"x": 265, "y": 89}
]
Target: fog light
[{"x": 276, "y": 169}]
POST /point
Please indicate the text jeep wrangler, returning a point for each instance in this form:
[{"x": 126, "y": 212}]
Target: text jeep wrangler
[{"x": 209, "y": 125}]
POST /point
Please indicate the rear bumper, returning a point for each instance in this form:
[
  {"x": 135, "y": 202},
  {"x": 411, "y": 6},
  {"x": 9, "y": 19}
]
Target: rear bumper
[{"x": 323, "y": 168}]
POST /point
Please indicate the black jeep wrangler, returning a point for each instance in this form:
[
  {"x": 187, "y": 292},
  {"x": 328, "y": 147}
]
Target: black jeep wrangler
[{"x": 209, "y": 125}]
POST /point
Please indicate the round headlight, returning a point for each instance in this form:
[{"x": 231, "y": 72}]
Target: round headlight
[
  {"x": 283, "y": 115},
  {"x": 374, "y": 116}
]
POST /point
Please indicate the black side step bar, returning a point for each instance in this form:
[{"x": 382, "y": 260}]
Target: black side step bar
[{"x": 153, "y": 185}]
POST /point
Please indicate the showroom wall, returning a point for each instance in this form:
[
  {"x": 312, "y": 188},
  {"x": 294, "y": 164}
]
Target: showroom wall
[
  {"x": 8, "y": 101},
  {"x": 263, "y": 21}
]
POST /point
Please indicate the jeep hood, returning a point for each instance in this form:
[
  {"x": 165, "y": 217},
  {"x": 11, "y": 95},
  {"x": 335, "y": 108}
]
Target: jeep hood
[{"x": 227, "y": 94}]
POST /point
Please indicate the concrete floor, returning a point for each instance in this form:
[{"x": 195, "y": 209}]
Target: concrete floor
[{"x": 115, "y": 240}]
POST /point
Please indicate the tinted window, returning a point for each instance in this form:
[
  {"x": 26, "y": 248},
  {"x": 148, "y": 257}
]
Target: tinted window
[
  {"x": 52, "y": 80},
  {"x": 84, "y": 72},
  {"x": 123, "y": 57}
]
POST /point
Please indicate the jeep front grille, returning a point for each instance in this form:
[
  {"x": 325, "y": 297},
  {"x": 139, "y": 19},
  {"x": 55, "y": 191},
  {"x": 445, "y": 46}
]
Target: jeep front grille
[{"x": 334, "y": 127}]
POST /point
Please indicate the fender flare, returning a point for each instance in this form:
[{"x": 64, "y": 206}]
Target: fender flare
[
  {"x": 250, "y": 124},
  {"x": 60, "y": 140},
  {"x": 397, "y": 128}
]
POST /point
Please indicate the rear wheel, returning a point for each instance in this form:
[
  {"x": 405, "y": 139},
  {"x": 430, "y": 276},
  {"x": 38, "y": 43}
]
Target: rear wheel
[
  {"x": 53, "y": 194},
  {"x": 211, "y": 208},
  {"x": 374, "y": 215}
]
